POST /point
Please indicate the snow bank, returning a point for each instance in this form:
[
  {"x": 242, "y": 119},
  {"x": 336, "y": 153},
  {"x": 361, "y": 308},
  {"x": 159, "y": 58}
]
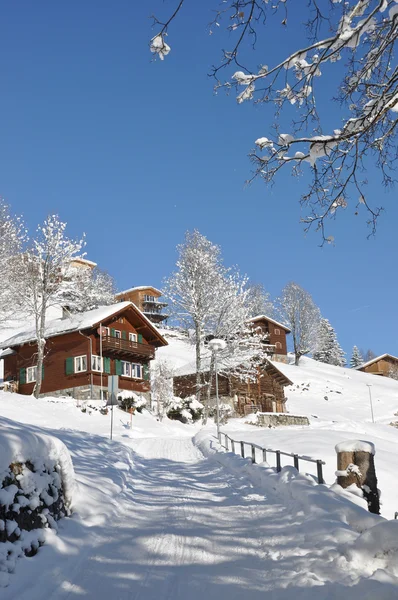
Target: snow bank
[
  {"x": 380, "y": 543},
  {"x": 36, "y": 489},
  {"x": 299, "y": 492}
]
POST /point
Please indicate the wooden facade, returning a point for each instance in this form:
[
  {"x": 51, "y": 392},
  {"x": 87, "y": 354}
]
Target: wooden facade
[
  {"x": 264, "y": 393},
  {"x": 385, "y": 365},
  {"x": 274, "y": 333},
  {"x": 147, "y": 299},
  {"x": 65, "y": 351}
]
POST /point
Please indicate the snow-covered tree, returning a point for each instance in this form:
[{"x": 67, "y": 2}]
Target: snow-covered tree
[
  {"x": 328, "y": 349},
  {"x": 351, "y": 45},
  {"x": 356, "y": 358},
  {"x": 302, "y": 316},
  {"x": 44, "y": 278},
  {"x": 194, "y": 288},
  {"x": 162, "y": 386},
  {"x": 12, "y": 237},
  {"x": 91, "y": 288},
  {"x": 260, "y": 300}
]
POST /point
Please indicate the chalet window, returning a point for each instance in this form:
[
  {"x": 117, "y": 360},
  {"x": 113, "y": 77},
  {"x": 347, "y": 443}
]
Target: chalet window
[
  {"x": 132, "y": 337},
  {"x": 277, "y": 331},
  {"x": 31, "y": 374},
  {"x": 107, "y": 331},
  {"x": 117, "y": 333},
  {"x": 96, "y": 363},
  {"x": 80, "y": 364},
  {"x": 136, "y": 370},
  {"x": 278, "y": 345},
  {"x": 126, "y": 369}
]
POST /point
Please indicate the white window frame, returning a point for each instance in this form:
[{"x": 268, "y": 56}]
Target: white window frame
[
  {"x": 97, "y": 364},
  {"x": 108, "y": 331},
  {"x": 134, "y": 370},
  {"x": 133, "y": 337},
  {"x": 277, "y": 331},
  {"x": 31, "y": 374},
  {"x": 126, "y": 369},
  {"x": 80, "y": 363},
  {"x": 278, "y": 346},
  {"x": 118, "y": 334}
]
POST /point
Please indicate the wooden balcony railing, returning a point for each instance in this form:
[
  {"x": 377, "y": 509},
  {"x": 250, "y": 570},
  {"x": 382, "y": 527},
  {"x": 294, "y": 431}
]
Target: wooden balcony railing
[{"x": 126, "y": 347}]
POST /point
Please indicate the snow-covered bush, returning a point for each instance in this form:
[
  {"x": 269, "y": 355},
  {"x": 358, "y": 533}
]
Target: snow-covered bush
[
  {"x": 36, "y": 489},
  {"x": 131, "y": 400},
  {"x": 186, "y": 410},
  {"x": 226, "y": 411}
]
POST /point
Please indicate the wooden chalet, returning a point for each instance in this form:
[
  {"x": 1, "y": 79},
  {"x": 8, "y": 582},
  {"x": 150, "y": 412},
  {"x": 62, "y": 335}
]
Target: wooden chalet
[
  {"x": 383, "y": 365},
  {"x": 147, "y": 299},
  {"x": 263, "y": 392},
  {"x": 82, "y": 350},
  {"x": 275, "y": 344}
]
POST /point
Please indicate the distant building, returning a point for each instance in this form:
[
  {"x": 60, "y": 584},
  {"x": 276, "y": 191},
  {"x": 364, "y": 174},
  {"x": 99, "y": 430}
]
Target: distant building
[
  {"x": 82, "y": 350},
  {"x": 385, "y": 365},
  {"x": 263, "y": 392},
  {"x": 274, "y": 336},
  {"x": 83, "y": 263},
  {"x": 147, "y": 299}
]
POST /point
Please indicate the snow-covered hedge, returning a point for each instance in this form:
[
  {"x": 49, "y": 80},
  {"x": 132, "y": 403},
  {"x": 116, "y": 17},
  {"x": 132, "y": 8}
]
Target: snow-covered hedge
[
  {"x": 186, "y": 410},
  {"x": 36, "y": 489}
]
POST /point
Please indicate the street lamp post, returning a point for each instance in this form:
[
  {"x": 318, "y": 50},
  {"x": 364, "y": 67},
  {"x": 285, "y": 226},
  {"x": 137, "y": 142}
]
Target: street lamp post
[
  {"x": 371, "y": 403},
  {"x": 215, "y": 346}
]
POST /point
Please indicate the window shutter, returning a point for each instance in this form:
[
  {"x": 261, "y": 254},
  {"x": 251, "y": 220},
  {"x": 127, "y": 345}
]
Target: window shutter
[
  {"x": 42, "y": 372},
  {"x": 22, "y": 376},
  {"x": 124, "y": 335},
  {"x": 118, "y": 367},
  {"x": 145, "y": 369},
  {"x": 69, "y": 366},
  {"x": 107, "y": 365},
  {"x": 140, "y": 338},
  {"x": 113, "y": 333}
]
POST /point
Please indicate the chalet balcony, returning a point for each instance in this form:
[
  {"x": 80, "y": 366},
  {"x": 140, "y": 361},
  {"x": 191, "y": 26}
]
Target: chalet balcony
[
  {"x": 126, "y": 348},
  {"x": 155, "y": 316}
]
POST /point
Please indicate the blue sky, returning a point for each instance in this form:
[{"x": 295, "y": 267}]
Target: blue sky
[{"x": 134, "y": 153}]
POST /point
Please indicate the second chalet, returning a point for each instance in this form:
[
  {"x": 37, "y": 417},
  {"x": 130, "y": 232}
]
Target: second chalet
[{"x": 82, "y": 350}]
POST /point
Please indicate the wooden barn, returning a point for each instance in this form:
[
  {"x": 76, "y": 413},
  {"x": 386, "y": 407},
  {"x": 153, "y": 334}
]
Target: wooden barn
[
  {"x": 82, "y": 350},
  {"x": 385, "y": 365},
  {"x": 263, "y": 392}
]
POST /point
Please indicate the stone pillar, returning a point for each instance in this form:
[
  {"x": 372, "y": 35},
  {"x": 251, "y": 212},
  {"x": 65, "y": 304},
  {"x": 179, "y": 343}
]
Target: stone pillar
[{"x": 355, "y": 465}]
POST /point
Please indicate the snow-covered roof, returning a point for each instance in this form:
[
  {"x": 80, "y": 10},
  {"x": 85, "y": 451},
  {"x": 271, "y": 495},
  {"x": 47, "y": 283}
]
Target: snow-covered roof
[
  {"x": 6, "y": 352},
  {"x": 377, "y": 358},
  {"x": 76, "y": 322},
  {"x": 140, "y": 288},
  {"x": 84, "y": 261},
  {"x": 265, "y": 318}
]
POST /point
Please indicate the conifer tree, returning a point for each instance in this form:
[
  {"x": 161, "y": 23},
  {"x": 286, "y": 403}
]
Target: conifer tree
[
  {"x": 356, "y": 358},
  {"x": 328, "y": 349}
]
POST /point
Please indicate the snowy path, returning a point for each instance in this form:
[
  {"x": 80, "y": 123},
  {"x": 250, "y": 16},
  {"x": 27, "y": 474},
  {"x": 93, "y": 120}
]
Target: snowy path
[{"x": 183, "y": 527}]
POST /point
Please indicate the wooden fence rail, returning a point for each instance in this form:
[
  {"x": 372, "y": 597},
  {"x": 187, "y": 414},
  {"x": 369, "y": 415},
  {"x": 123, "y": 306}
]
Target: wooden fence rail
[{"x": 278, "y": 453}]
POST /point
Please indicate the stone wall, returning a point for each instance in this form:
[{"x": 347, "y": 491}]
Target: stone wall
[{"x": 278, "y": 419}]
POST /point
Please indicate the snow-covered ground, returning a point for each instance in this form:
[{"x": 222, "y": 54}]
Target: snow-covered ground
[{"x": 154, "y": 517}]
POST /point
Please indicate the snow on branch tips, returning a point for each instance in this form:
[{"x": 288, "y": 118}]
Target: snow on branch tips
[{"x": 351, "y": 46}]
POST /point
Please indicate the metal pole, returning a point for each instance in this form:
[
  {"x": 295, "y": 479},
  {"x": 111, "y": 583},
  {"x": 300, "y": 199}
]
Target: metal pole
[
  {"x": 102, "y": 363},
  {"x": 370, "y": 398},
  {"x": 218, "y": 404},
  {"x": 319, "y": 469},
  {"x": 111, "y": 420}
]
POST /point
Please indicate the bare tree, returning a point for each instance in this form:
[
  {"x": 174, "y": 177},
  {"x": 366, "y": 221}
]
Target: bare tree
[
  {"x": 302, "y": 316},
  {"x": 12, "y": 237},
  {"x": 260, "y": 301},
  {"x": 44, "y": 279},
  {"x": 359, "y": 35},
  {"x": 193, "y": 289}
]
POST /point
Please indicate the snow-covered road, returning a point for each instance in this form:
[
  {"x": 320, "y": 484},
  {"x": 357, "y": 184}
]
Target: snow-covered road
[{"x": 179, "y": 526}]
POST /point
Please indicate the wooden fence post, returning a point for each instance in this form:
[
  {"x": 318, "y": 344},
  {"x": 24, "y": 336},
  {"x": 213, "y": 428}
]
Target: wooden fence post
[
  {"x": 242, "y": 449},
  {"x": 253, "y": 454},
  {"x": 319, "y": 471},
  {"x": 296, "y": 461},
  {"x": 355, "y": 464},
  {"x": 226, "y": 442},
  {"x": 278, "y": 461},
  {"x": 233, "y": 446},
  {"x": 264, "y": 455}
]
